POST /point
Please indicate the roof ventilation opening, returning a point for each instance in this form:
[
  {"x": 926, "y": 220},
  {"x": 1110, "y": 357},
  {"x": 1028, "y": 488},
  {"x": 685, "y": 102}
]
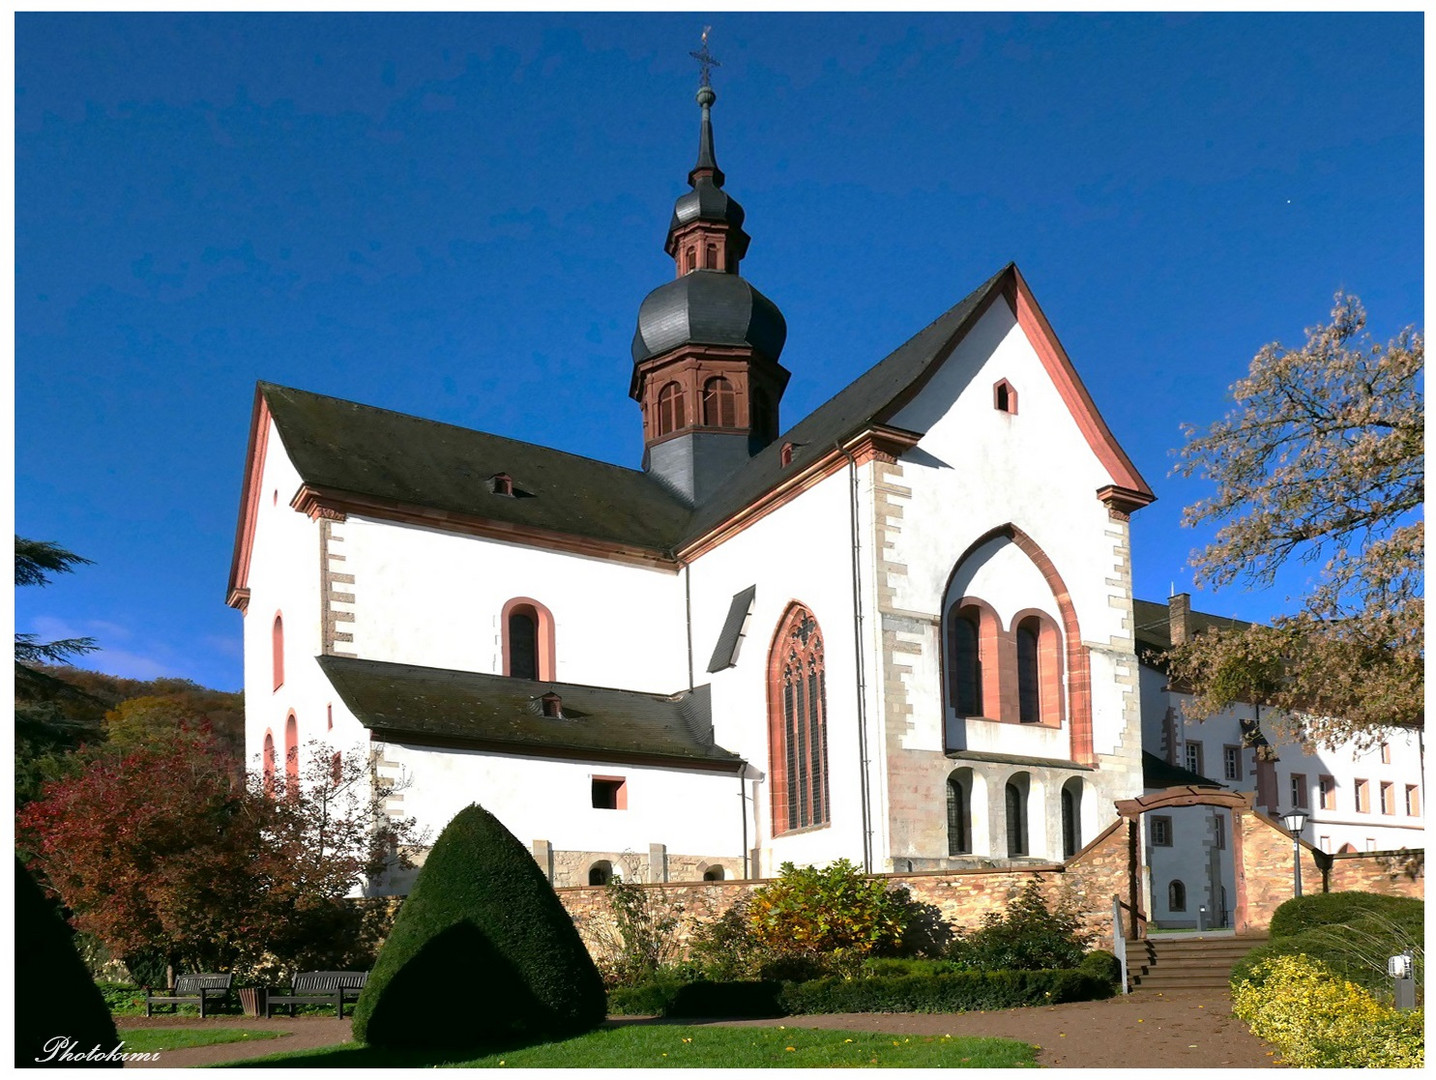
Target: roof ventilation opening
[
  {"x": 552, "y": 705},
  {"x": 785, "y": 454},
  {"x": 502, "y": 484}
]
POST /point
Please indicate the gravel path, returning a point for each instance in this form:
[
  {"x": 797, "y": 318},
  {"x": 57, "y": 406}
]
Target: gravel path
[{"x": 1192, "y": 1029}]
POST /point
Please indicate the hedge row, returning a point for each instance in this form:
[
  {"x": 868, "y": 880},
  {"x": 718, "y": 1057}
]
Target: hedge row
[{"x": 950, "y": 991}]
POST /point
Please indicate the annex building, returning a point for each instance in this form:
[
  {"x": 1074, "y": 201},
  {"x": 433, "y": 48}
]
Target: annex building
[{"x": 899, "y": 630}]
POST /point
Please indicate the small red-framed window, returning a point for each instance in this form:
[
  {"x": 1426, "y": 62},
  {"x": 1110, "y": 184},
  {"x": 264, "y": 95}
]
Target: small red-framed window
[
  {"x": 610, "y": 793},
  {"x": 291, "y": 748},
  {"x": 1004, "y": 397},
  {"x": 528, "y": 634},
  {"x": 277, "y": 642}
]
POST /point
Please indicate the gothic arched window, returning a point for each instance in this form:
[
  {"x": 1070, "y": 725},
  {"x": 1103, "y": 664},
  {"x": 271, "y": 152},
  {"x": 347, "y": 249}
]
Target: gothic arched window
[
  {"x": 670, "y": 408},
  {"x": 719, "y": 403},
  {"x": 798, "y": 724}
]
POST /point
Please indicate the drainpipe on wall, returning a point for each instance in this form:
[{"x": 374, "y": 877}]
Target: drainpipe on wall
[
  {"x": 687, "y": 610},
  {"x": 858, "y": 657}
]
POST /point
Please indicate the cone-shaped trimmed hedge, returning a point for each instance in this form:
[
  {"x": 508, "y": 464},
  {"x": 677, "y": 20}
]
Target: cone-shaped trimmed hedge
[
  {"x": 56, "y": 998},
  {"x": 482, "y": 952}
]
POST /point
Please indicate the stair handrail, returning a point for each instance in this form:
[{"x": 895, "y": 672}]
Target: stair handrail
[{"x": 1119, "y": 939}]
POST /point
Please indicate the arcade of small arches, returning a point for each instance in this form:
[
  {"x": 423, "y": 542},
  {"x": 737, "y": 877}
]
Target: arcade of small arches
[{"x": 991, "y": 815}]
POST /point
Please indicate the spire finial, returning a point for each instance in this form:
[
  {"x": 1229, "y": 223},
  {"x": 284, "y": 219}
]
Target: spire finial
[{"x": 706, "y": 63}]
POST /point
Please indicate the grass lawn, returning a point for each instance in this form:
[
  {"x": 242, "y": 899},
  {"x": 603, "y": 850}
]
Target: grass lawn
[
  {"x": 148, "y": 1040},
  {"x": 673, "y": 1046}
]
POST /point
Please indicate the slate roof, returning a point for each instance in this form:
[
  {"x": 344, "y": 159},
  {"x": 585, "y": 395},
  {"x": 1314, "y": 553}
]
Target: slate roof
[
  {"x": 363, "y": 450},
  {"x": 441, "y": 707},
  {"x": 1157, "y": 773},
  {"x": 1154, "y": 626}
]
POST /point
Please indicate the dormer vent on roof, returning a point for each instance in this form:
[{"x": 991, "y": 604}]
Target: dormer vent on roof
[
  {"x": 502, "y": 484},
  {"x": 552, "y": 705}
]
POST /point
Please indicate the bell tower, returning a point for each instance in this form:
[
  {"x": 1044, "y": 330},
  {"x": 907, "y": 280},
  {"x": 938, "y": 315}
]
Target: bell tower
[{"x": 705, "y": 354}]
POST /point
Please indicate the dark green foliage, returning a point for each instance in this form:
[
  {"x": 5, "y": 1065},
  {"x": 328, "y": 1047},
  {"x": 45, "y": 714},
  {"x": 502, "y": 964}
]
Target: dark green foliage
[
  {"x": 1103, "y": 965},
  {"x": 957, "y": 991},
  {"x": 482, "y": 952},
  {"x": 798, "y": 967},
  {"x": 930, "y": 991},
  {"x": 726, "y": 947},
  {"x": 59, "y": 998},
  {"x": 896, "y": 965},
  {"x": 1029, "y": 936},
  {"x": 1325, "y": 909},
  {"x": 122, "y": 999}
]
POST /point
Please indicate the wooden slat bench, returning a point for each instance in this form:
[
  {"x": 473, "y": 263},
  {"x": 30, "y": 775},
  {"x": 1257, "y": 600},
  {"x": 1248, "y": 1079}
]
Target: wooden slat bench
[
  {"x": 319, "y": 988},
  {"x": 198, "y": 990}
]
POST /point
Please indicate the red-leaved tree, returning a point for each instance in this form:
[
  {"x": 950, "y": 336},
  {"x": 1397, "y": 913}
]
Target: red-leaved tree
[{"x": 164, "y": 849}]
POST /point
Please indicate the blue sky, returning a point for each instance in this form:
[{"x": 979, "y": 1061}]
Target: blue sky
[{"x": 457, "y": 216}]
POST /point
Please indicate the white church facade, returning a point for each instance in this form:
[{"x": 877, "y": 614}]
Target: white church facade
[{"x": 900, "y": 630}]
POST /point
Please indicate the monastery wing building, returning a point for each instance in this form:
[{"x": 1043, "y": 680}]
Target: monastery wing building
[{"x": 899, "y": 630}]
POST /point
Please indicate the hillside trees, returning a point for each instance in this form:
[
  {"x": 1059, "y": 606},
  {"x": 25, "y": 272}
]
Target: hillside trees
[
  {"x": 1319, "y": 462},
  {"x": 163, "y": 847}
]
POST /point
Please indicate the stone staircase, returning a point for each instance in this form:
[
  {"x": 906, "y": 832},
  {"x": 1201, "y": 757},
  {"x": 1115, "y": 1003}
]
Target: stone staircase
[{"x": 1189, "y": 962}]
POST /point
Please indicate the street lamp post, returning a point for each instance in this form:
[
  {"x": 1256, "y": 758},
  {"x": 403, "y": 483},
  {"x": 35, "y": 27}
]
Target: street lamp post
[{"x": 1294, "y": 821}]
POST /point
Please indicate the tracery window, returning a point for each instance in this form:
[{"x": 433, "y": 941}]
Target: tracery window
[
  {"x": 670, "y": 408},
  {"x": 720, "y": 407},
  {"x": 797, "y": 725}
]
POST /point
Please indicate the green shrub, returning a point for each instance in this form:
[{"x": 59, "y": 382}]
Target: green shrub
[
  {"x": 482, "y": 952},
  {"x": 1103, "y": 965},
  {"x": 906, "y": 965},
  {"x": 1356, "y": 949},
  {"x": 726, "y": 947},
  {"x": 123, "y": 999},
  {"x": 729, "y": 1000},
  {"x": 1319, "y": 1020},
  {"x": 1302, "y": 913},
  {"x": 835, "y": 910},
  {"x": 60, "y": 998},
  {"x": 955, "y": 991},
  {"x": 1029, "y": 936}
]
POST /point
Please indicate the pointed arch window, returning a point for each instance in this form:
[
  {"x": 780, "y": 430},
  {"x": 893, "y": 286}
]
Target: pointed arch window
[
  {"x": 528, "y": 634},
  {"x": 797, "y": 724},
  {"x": 959, "y": 815},
  {"x": 670, "y": 408},
  {"x": 277, "y": 643},
  {"x": 719, "y": 403}
]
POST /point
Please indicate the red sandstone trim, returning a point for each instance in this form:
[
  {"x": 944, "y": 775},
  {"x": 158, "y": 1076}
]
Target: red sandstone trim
[
  {"x": 544, "y": 632},
  {"x": 315, "y": 502},
  {"x": 1079, "y": 402},
  {"x": 237, "y": 595}
]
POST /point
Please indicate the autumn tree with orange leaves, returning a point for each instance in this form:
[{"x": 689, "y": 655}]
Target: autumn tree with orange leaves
[{"x": 1320, "y": 462}]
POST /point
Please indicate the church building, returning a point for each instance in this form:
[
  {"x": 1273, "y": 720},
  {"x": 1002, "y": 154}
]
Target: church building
[{"x": 898, "y": 630}]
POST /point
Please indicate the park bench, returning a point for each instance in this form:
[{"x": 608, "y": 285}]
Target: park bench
[
  {"x": 319, "y": 988},
  {"x": 198, "y": 990}
]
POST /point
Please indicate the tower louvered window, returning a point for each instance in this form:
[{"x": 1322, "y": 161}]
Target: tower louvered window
[
  {"x": 719, "y": 404},
  {"x": 670, "y": 408},
  {"x": 798, "y": 735}
]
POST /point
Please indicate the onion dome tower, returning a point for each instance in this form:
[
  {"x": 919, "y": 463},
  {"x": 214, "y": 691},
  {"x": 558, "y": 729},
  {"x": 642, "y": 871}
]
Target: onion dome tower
[{"x": 705, "y": 354}]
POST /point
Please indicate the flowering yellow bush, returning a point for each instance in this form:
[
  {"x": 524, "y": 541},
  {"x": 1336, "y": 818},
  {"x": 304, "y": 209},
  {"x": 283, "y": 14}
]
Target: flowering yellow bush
[{"x": 1321, "y": 1021}]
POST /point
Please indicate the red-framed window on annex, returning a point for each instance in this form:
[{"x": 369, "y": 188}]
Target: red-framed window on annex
[{"x": 798, "y": 724}]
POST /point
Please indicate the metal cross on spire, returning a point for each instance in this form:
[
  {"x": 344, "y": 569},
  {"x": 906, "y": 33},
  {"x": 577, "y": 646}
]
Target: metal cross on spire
[{"x": 705, "y": 60}]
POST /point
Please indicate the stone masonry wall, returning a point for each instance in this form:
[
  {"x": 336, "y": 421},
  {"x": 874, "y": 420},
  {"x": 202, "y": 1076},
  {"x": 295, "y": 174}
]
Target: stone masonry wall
[
  {"x": 1394, "y": 873},
  {"x": 1264, "y": 878}
]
